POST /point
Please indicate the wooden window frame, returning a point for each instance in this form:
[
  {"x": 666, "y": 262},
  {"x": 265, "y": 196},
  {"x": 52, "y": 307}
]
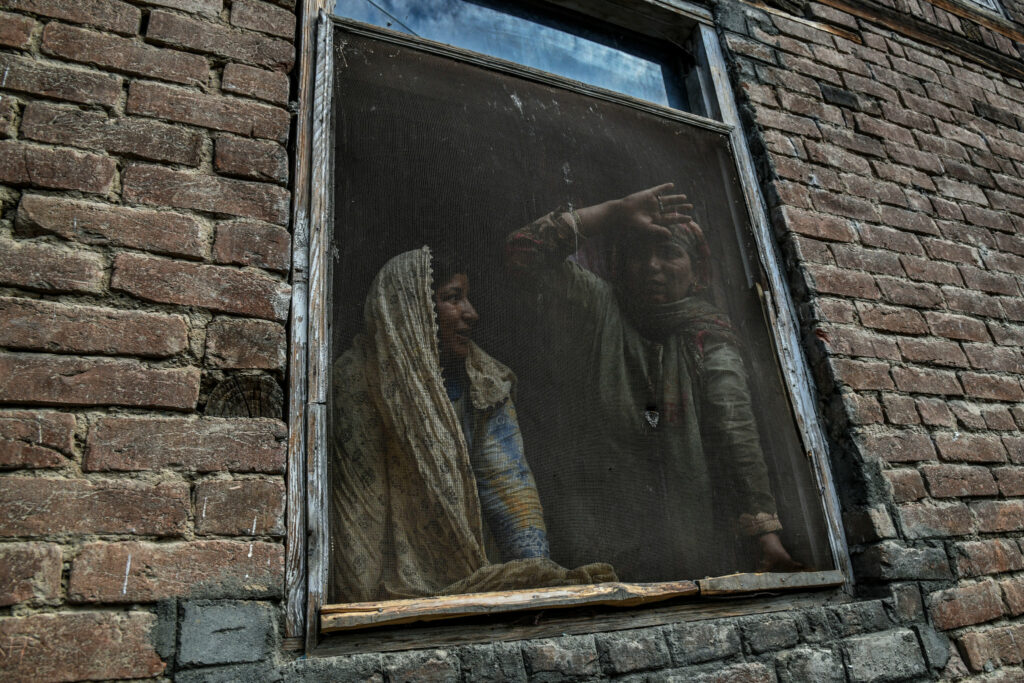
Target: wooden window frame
[{"x": 309, "y": 364}]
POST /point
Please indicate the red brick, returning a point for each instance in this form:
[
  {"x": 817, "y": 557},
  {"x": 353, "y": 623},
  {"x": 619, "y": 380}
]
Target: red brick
[
  {"x": 245, "y": 507},
  {"x": 1007, "y": 334},
  {"x": 974, "y": 303},
  {"x": 932, "y": 351},
  {"x": 74, "y": 646},
  {"x": 231, "y": 114},
  {"x": 270, "y": 86},
  {"x": 956, "y": 326},
  {"x": 841, "y": 204},
  {"x": 976, "y": 558},
  {"x": 199, "y": 445},
  {"x": 862, "y": 375},
  {"x": 906, "y": 483},
  {"x": 900, "y": 410},
  {"x": 112, "y": 15},
  {"x": 955, "y": 481},
  {"x": 263, "y": 17},
  {"x": 931, "y": 520},
  {"x": 789, "y": 123},
  {"x": 208, "y": 7},
  {"x": 987, "y": 650},
  {"x": 58, "y": 328},
  {"x": 251, "y": 243},
  {"x": 59, "y": 82},
  {"x": 29, "y": 571},
  {"x": 926, "y": 381},
  {"x": 829, "y": 280},
  {"x": 993, "y": 283},
  {"x": 965, "y": 605},
  {"x": 811, "y": 251},
  {"x": 969, "y": 415},
  {"x": 16, "y": 30},
  {"x": 963, "y": 447},
  {"x": 30, "y": 438},
  {"x": 896, "y": 446},
  {"x": 992, "y": 387},
  {"x": 202, "y": 36},
  {"x": 56, "y": 380},
  {"x": 35, "y": 506},
  {"x": 1011, "y": 480},
  {"x": 161, "y": 186},
  {"x": 218, "y": 288},
  {"x": 995, "y": 358},
  {"x": 892, "y": 319},
  {"x": 949, "y": 251},
  {"x": 905, "y": 293},
  {"x": 162, "y": 232},
  {"x": 931, "y": 271},
  {"x": 999, "y": 516},
  {"x": 935, "y": 412},
  {"x": 855, "y": 341},
  {"x": 872, "y": 260},
  {"x": 997, "y": 220},
  {"x": 124, "y": 55},
  {"x": 884, "y": 131},
  {"x": 245, "y": 344},
  {"x": 8, "y": 113},
  {"x": 47, "y": 268},
  {"x": 200, "y": 569},
  {"x": 60, "y": 169},
  {"x": 1013, "y": 594},
  {"x": 128, "y": 136},
  {"x": 861, "y": 409},
  {"x": 254, "y": 159}
]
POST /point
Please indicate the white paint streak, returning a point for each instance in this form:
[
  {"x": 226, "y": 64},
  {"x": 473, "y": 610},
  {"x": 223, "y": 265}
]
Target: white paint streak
[
  {"x": 250, "y": 550},
  {"x": 252, "y": 533},
  {"x": 4, "y": 82},
  {"x": 205, "y": 498},
  {"x": 127, "y": 568}
]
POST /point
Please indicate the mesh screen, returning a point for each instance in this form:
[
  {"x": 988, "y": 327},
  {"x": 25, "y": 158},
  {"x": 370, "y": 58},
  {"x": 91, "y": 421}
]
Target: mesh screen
[{"x": 610, "y": 422}]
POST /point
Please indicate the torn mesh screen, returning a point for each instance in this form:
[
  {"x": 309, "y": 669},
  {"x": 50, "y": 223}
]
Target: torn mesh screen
[{"x": 634, "y": 448}]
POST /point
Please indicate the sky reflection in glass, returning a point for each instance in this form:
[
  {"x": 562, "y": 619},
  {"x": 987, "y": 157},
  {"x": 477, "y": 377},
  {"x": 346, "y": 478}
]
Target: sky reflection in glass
[{"x": 541, "y": 42}]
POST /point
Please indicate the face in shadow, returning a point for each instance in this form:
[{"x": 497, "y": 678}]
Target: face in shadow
[
  {"x": 657, "y": 271},
  {"x": 456, "y": 318}
]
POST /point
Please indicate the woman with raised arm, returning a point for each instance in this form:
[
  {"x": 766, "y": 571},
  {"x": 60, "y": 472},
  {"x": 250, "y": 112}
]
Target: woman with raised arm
[
  {"x": 657, "y": 464},
  {"x": 430, "y": 492}
]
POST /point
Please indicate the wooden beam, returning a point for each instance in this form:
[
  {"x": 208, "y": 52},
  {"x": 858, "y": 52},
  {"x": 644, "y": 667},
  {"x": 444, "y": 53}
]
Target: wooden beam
[
  {"x": 734, "y": 584},
  {"x": 392, "y": 612}
]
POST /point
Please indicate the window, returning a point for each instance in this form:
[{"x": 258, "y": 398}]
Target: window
[{"x": 554, "y": 359}]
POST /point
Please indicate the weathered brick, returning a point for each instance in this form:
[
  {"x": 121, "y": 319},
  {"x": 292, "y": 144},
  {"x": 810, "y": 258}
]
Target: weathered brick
[
  {"x": 789, "y": 123},
  {"x": 817, "y": 225},
  {"x": 965, "y": 605},
  {"x": 111, "y": 15},
  {"x": 47, "y": 268},
  {"x": 932, "y": 351},
  {"x": 892, "y": 561},
  {"x": 949, "y": 251},
  {"x": 829, "y": 280},
  {"x": 769, "y": 633},
  {"x": 565, "y": 657},
  {"x": 210, "y": 8},
  {"x": 872, "y": 260},
  {"x": 128, "y": 136},
  {"x": 233, "y": 343},
  {"x": 861, "y": 409},
  {"x": 926, "y": 381},
  {"x": 56, "y": 380},
  {"x": 891, "y": 318},
  {"x": 896, "y": 446},
  {"x": 162, "y": 232},
  {"x": 77, "y": 646},
  {"x": 160, "y": 186},
  {"x": 862, "y": 375},
  {"x": 58, "y": 328},
  {"x": 995, "y": 358},
  {"x": 270, "y": 86},
  {"x": 975, "y": 303},
  {"x": 855, "y": 341},
  {"x": 976, "y": 558},
  {"x": 703, "y": 641},
  {"x": 840, "y": 204},
  {"x": 927, "y": 520},
  {"x": 263, "y": 17},
  {"x": 624, "y": 652},
  {"x": 906, "y": 484},
  {"x": 123, "y": 54},
  {"x": 437, "y": 666},
  {"x": 219, "y": 288},
  {"x": 986, "y": 650},
  {"x": 102, "y": 572},
  {"x": 29, "y": 571},
  {"x": 35, "y": 506},
  {"x": 993, "y": 283},
  {"x": 999, "y": 516},
  {"x": 59, "y": 169},
  {"x": 35, "y": 438},
  {"x": 935, "y": 412},
  {"x": 1011, "y": 480},
  {"x": 995, "y": 387},
  {"x": 251, "y": 243},
  {"x": 882, "y": 130},
  {"x": 244, "y": 507},
  {"x": 231, "y": 114},
  {"x": 931, "y": 271},
  {"x": 970, "y": 447},
  {"x": 954, "y": 481},
  {"x": 805, "y": 664},
  {"x": 905, "y": 293},
  {"x": 199, "y": 445},
  {"x": 203, "y": 36},
  {"x": 886, "y": 656},
  {"x": 1007, "y": 334},
  {"x": 8, "y": 113},
  {"x": 253, "y": 159},
  {"x": 16, "y": 30},
  {"x": 1013, "y": 595}
]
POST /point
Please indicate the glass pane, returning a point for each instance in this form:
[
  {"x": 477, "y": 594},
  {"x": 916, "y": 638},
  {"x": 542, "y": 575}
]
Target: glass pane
[
  {"x": 600, "y": 56},
  {"x": 516, "y": 404}
]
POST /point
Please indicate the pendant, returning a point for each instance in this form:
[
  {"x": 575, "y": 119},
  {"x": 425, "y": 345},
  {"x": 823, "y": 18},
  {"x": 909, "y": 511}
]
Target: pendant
[{"x": 652, "y": 417}]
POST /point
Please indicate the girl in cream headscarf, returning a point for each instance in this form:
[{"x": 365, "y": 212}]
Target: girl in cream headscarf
[{"x": 430, "y": 492}]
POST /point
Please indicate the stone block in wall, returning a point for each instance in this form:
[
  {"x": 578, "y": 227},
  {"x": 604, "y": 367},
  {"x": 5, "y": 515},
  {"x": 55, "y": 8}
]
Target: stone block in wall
[
  {"x": 558, "y": 659},
  {"x": 226, "y": 632},
  {"x": 892, "y": 561},
  {"x": 769, "y": 632},
  {"x": 29, "y": 572},
  {"x": 129, "y": 572},
  {"x": 35, "y": 438},
  {"x": 64, "y": 646},
  {"x": 360, "y": 667},
  {"x": 624, "y": 652},
  {"x": 194, "y": 444},
  {"x": 703, "y": 641},
  {"x": 492, "y": 663},
  {"x": 749, "y": 672},
  {"x": 234, "y": 673},
  {"x": 886, "y": 656},
  {"x": 435, "y": 666},
  {"x": 803, "y": 665}
]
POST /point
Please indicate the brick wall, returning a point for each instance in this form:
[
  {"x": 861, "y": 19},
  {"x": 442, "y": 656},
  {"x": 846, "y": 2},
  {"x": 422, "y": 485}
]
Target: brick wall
[{"x": 144, "y": 249}]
